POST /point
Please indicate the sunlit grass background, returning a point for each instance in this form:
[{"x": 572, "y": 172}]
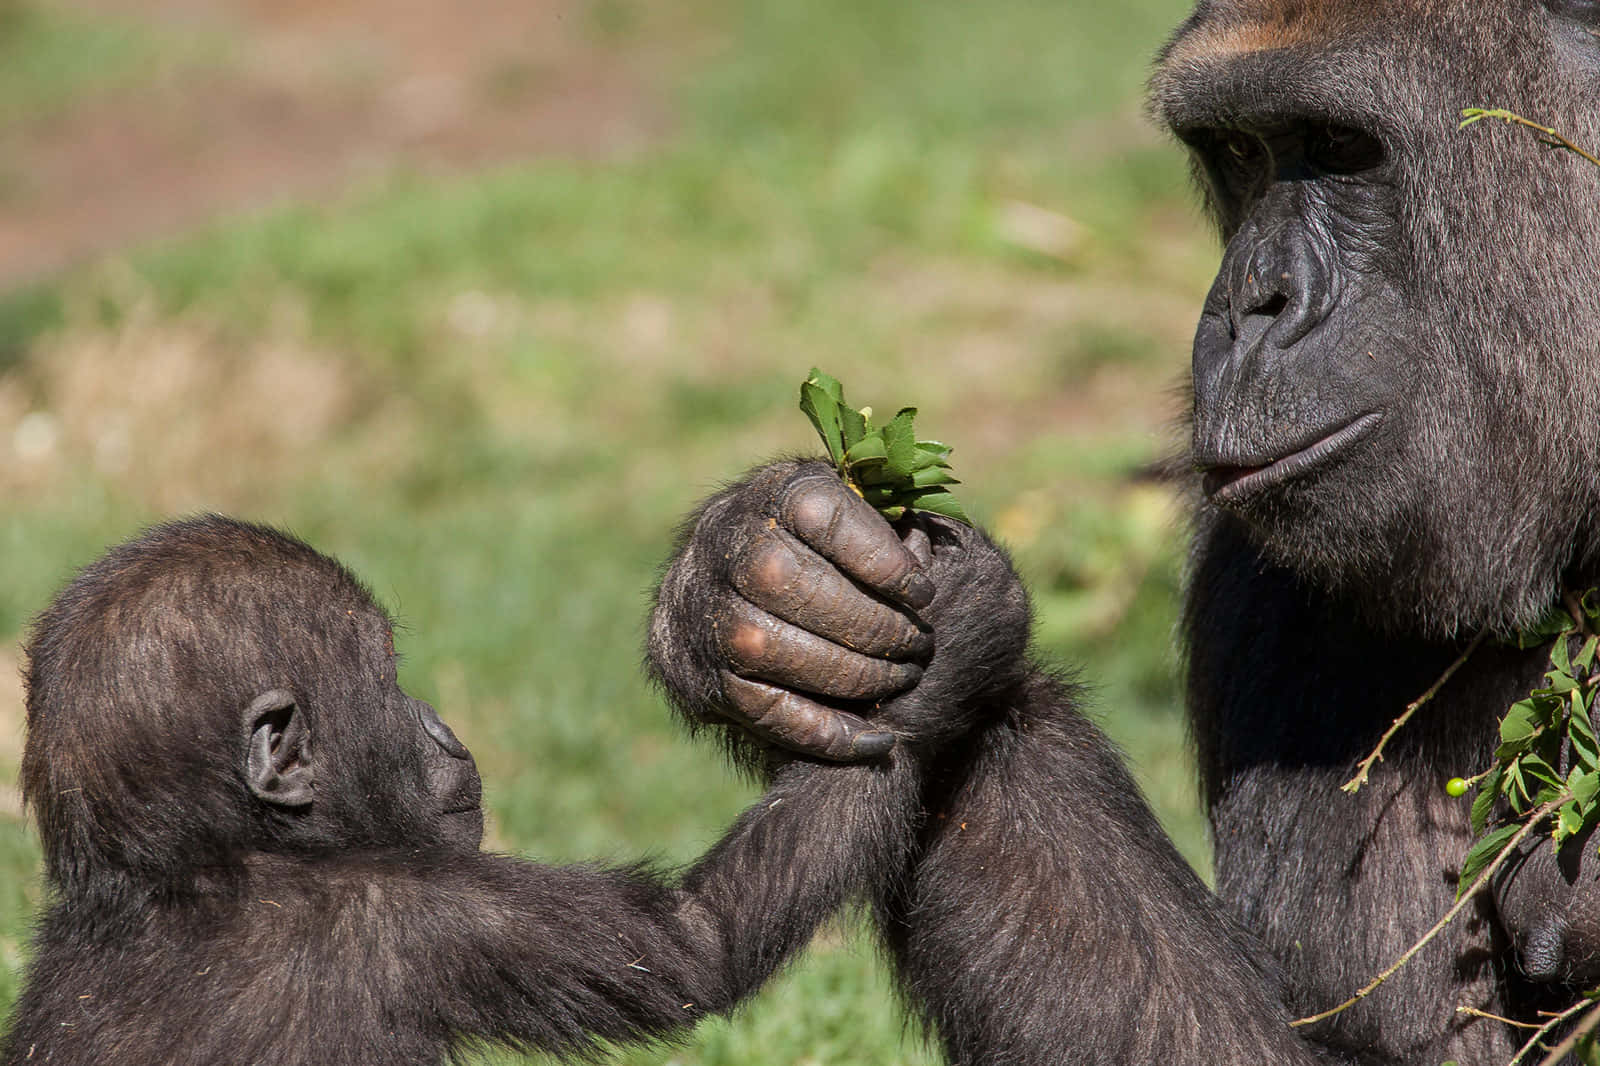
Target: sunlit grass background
[{"x": 493, "y": 388}]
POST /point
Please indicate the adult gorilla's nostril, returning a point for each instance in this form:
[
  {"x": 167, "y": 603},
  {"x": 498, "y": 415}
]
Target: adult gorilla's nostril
[{"x": 1270, "y": 304}]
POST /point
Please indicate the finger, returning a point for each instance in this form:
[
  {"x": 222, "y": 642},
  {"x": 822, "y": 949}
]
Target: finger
[
  {"x": 921, "y": 548},
  {"x": 786, "y": 578},
  {"x": 760, "y": 646},
  {"x": 794, "y": 722},
  {"x": 825, "y": 513}
]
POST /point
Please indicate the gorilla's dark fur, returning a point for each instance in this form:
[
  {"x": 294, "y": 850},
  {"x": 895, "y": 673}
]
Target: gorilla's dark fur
[
  {"x": 1396, "y": 448},
  {"x": 259, "y": 849}
]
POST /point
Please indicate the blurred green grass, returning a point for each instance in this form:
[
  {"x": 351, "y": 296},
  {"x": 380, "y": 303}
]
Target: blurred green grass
[
  {"x": 51, "y": 56},
  {"x": 494, "y": 395}
]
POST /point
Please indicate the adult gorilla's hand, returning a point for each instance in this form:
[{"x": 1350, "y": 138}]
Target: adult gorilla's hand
[{"x": 792, "y": 609}]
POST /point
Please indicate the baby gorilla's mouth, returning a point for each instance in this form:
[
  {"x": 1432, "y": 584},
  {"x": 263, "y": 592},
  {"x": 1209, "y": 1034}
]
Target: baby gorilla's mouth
[{"x": 1234, "y": 484}]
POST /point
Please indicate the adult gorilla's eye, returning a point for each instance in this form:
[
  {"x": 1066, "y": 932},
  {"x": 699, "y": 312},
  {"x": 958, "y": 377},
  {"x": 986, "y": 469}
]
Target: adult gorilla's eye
[
  {"x": 1342, "y": 149},
  {"x": 1241, "y": 149}
]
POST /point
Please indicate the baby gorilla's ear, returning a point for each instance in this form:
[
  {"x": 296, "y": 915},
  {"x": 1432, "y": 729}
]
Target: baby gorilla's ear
[{"x": 278, "y": 760}]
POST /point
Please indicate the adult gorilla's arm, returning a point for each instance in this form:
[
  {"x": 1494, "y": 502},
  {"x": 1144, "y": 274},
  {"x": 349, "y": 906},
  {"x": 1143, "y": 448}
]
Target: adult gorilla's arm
[{"x": 1044, "y": 917}]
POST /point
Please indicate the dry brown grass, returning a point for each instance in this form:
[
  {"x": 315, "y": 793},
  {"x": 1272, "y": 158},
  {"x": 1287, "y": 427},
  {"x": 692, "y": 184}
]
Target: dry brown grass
[{"x": 172, "y": 413}]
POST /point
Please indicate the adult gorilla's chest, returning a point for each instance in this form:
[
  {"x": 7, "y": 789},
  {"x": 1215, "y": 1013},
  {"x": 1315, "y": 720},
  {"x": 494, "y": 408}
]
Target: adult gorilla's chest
[{"x": 1288, "y": 691}]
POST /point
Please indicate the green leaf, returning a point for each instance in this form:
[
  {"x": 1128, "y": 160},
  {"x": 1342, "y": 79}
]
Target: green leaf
[
  {"x": 1516, "y": 787},
  {"x": 1585, "y": 657},
  {"x": 1580, "y": 730},
  {"x": 943, "y": 503},
  {"x": 1519, "y": 727},
  {"x": 824, "y": 414},
  {"x": 1569, "y": 822},
  {"x": 1483, "y": 802},
  {"x": 1561, "y": 656},
  {"x": 900, "y": 441},
  {"x": 1557, "y": 683},
  {"x": 1584, "y": 786},
  {"x": 930, "y": 476},
  {"x": 935, "y": 450},
  {"x": 852, "y": 424},
  {"x": 1537, "y": 769},
  {"x": 829, "y": 385},
  {"x": 1483, "y": 852},
  {"x": 874, "y": 474},
  {"x": 865, "y": 450},
  {"x": 1589, "y": 604}
]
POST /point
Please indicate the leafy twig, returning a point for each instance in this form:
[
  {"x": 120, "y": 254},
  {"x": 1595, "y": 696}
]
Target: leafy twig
[
  {"x": 1354, "y": 784},
  {"x": 886, "y": 465},
  {"x": 1438, "y": 927}
]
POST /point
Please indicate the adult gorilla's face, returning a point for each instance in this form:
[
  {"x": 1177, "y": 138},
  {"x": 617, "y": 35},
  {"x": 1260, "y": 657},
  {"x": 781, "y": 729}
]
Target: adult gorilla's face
[{"x": 1392, "y": 371}]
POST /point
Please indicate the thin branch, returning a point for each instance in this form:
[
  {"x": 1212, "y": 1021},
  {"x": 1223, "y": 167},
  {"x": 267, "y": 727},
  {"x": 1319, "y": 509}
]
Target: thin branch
[
  {"x": 1557, "y": 1053},
  {"x": 1476, "y": 1013},
  {"x": 1354, "y": 784},
  {"x": 1474, "y": 114},
  {"x": 1438, "y": 927}
]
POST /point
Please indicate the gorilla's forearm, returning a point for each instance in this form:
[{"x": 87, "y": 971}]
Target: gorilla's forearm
[
  {"x": 1048, "y": 919},
  {"x": 819, "y": 837},
  {"x": 562, "y": 956}
]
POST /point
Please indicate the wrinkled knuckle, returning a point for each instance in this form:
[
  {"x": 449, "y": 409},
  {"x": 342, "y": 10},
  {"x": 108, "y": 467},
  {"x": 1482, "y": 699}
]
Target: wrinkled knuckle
[
  {"x": 752, "y": 702},
  {"x": 870, "y": 677},
  {"x": 746, "y": 643},
  {"x": 811, "y": 504},
  {"x": 899, "y": 636},
  {"x": 813, "y": 729},
  {"x": 768, "y": 569}
]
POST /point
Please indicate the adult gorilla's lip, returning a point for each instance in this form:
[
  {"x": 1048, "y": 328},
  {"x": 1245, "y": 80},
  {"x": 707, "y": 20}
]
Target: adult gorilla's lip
[{"x": 1233, "y": 483}]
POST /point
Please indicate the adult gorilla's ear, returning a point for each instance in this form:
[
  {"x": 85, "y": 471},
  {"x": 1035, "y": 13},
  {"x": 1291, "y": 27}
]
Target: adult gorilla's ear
[{"x": 278, "y": 762}]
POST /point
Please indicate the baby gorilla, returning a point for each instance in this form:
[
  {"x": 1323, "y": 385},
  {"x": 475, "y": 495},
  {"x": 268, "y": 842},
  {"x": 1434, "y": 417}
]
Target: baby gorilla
[{"x": 260, "y": 849}]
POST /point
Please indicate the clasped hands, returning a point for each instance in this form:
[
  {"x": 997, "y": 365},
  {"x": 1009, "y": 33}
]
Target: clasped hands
[{"x": 797, "y": 613}]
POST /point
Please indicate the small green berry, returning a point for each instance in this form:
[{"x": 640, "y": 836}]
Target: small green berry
[{"x": 1455, "y": 787}]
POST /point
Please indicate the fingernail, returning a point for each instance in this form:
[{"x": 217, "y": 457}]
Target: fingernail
[
  {"x": 920, "y": 590},
  {"x": 871, "y": 745}
]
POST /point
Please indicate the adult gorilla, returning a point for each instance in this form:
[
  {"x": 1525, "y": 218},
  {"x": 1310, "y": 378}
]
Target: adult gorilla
[{"x": 1393, "y": 450}]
